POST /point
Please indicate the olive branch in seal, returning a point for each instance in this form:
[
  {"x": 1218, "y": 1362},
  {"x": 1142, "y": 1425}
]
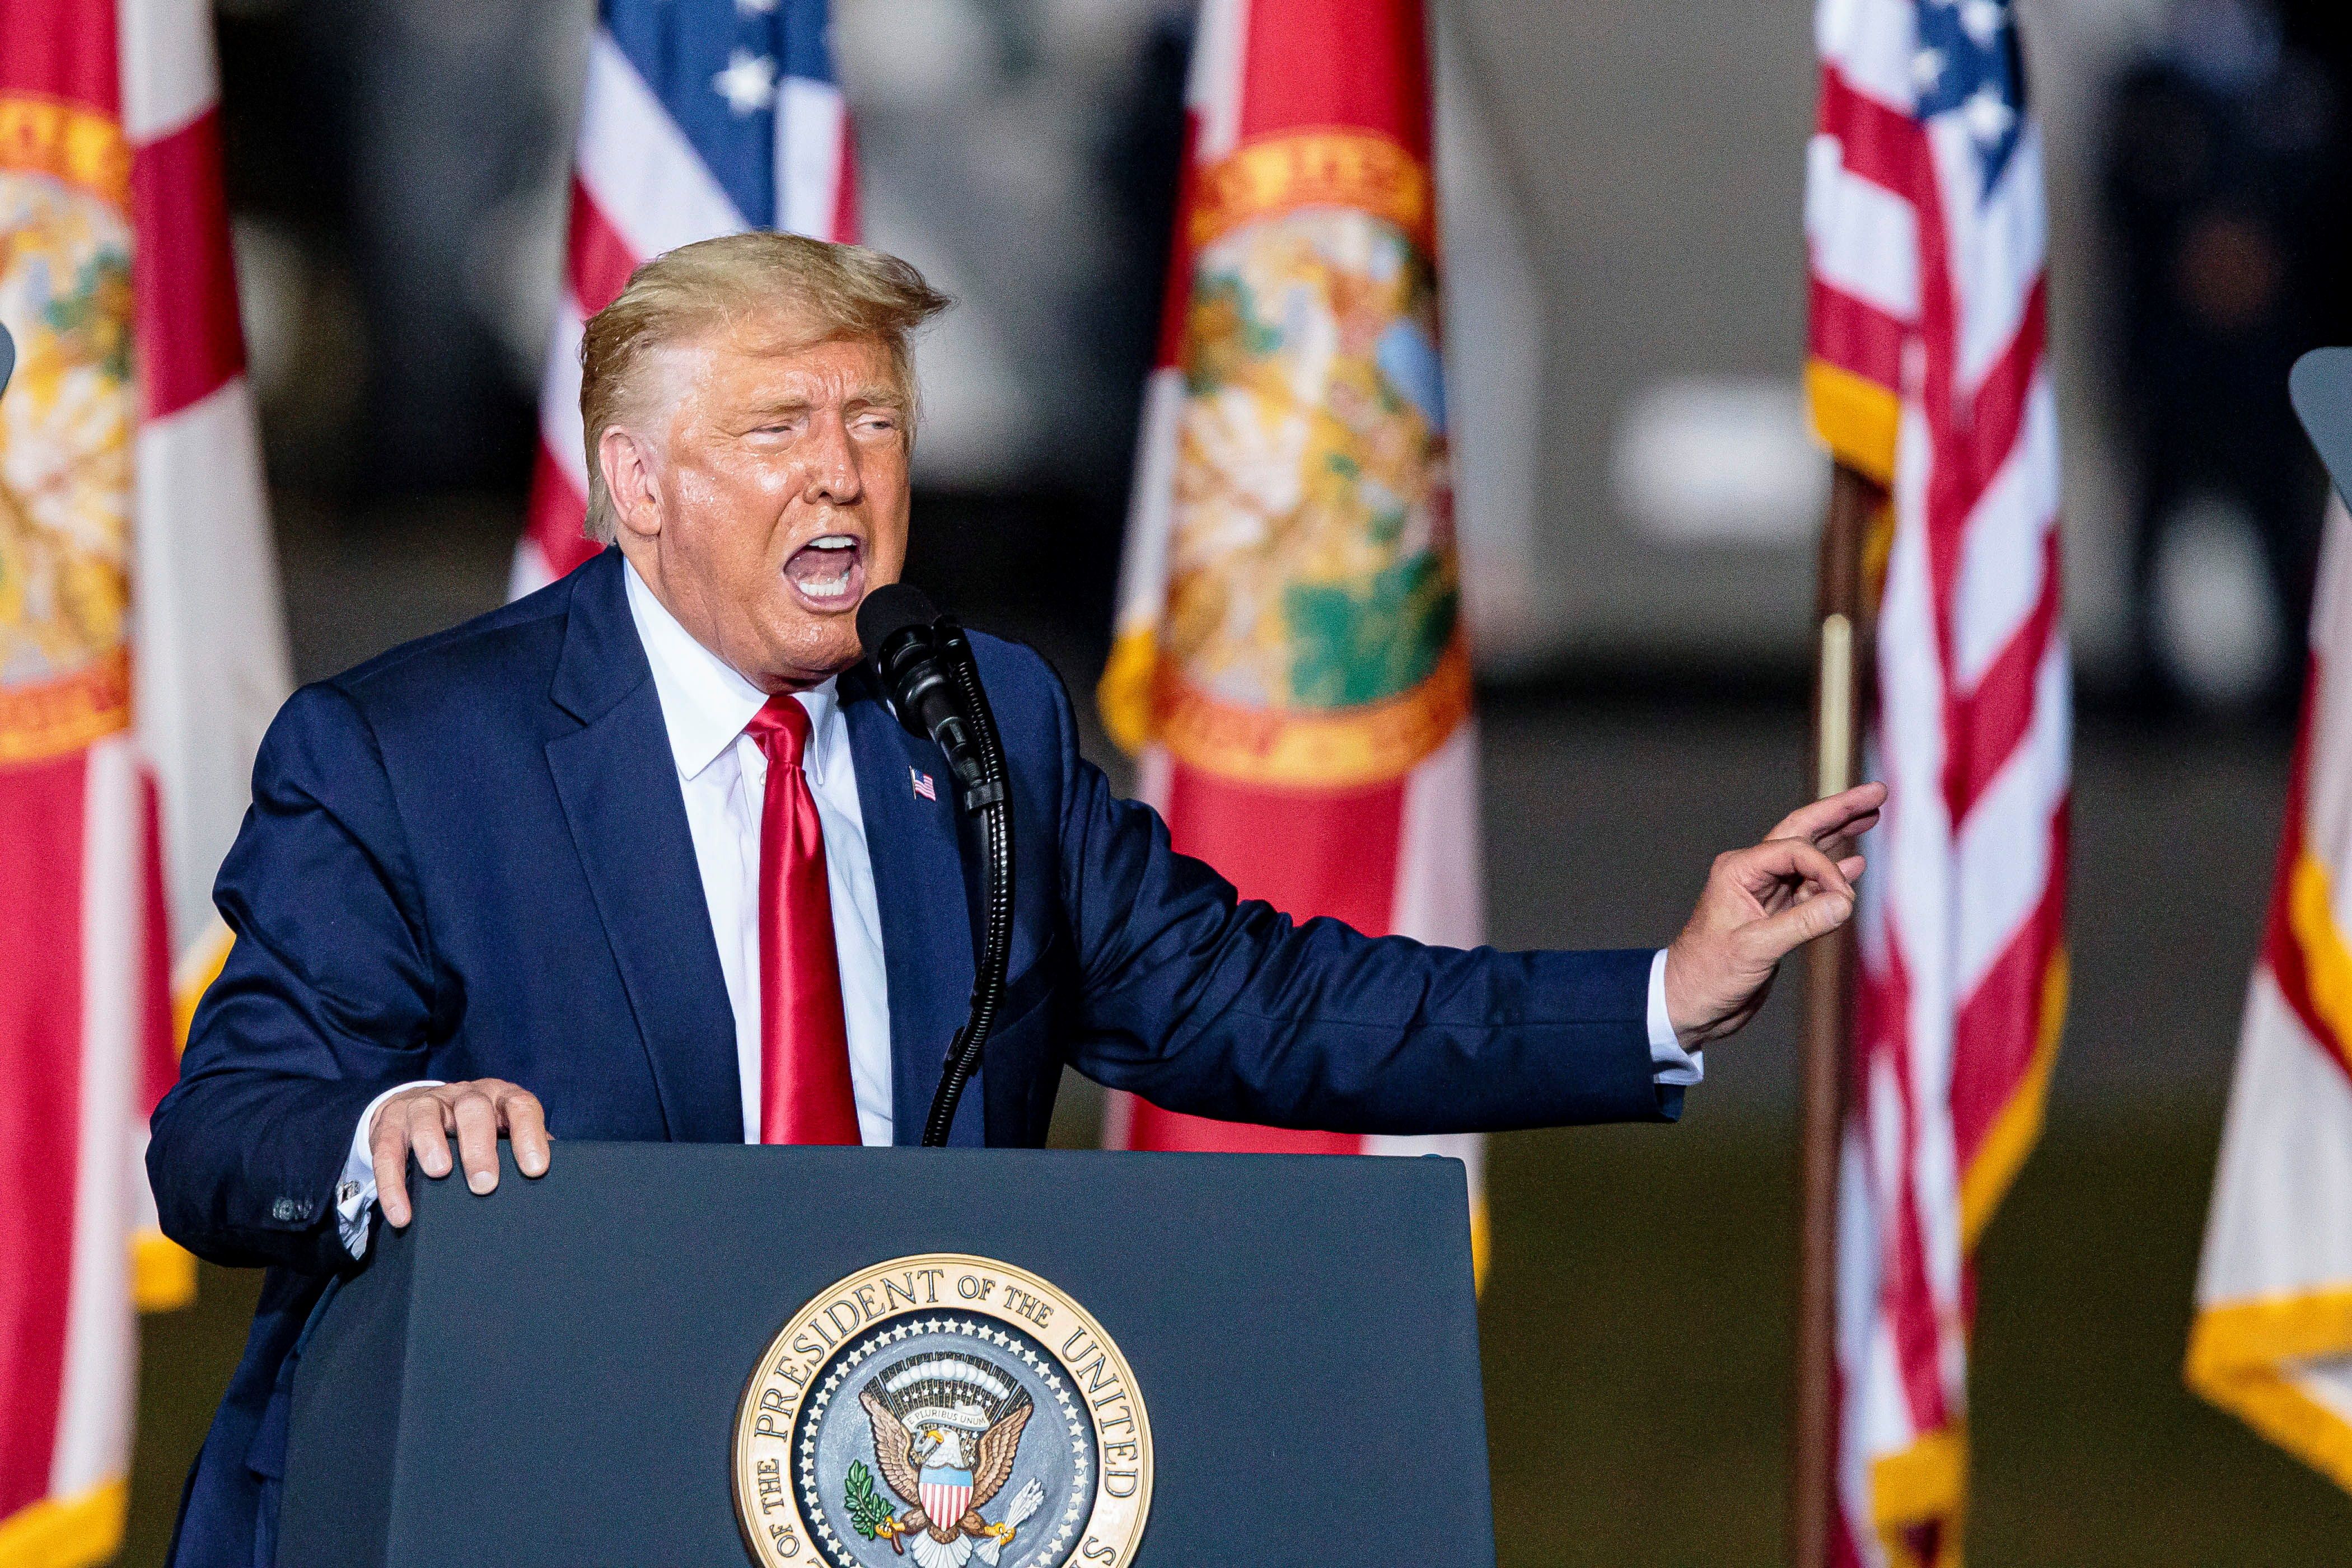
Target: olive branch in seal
[{"x": 867, "y": 1512}]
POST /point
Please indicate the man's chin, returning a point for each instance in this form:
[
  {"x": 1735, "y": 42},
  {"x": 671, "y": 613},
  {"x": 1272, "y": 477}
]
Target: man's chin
[{"x": 809, "y": 655}]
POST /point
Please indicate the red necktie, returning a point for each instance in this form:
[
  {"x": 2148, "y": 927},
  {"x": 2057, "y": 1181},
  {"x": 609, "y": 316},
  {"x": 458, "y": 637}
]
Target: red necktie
[{"x": 804, "y": 1094}]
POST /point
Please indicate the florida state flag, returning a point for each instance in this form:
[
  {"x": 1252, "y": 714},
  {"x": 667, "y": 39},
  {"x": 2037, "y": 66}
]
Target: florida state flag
[
  {"x": 139, "y": 657},
  {"x": 1290, "y": 668},
  {"x": 2272, "y": 1341}
]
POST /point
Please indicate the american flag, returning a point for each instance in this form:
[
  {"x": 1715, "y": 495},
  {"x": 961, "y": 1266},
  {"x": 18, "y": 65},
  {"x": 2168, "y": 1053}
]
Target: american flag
[
  {"x": 702, "y": 118},
  {"x": 1925, "y": 227}
]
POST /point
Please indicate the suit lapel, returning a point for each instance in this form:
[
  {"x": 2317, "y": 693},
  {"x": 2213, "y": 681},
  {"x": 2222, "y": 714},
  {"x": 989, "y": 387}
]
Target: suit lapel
[
  {"x": 925, "y": 898},
  {"x": 619, "y": 783}
]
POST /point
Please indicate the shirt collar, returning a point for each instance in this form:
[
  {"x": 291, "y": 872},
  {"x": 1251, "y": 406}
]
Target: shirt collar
[{"x": 705, "y": 701}]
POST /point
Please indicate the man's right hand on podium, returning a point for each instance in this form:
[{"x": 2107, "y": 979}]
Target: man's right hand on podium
[{"x": 419, "y": 1121}]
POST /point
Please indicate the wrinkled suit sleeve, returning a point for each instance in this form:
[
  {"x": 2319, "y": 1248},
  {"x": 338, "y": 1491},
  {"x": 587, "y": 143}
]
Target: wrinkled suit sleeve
[
  {"x": 328, "y": 999},
  {"x": 1210, "y": 1004}
]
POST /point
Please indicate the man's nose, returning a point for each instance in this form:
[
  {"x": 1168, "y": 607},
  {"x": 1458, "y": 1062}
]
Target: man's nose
[{"x": 832, "y": 473}]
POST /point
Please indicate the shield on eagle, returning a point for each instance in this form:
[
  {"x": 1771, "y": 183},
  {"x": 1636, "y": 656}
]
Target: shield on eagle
[{"x": 944, "y": 1492}]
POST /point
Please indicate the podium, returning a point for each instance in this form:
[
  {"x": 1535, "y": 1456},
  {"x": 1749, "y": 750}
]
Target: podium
[{"x": 630, "y": 1362}]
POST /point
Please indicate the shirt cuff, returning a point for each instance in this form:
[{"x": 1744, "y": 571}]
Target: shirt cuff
[
  {"x": 355, "y": 1193},
  {"x": 1675, "y": 1065}
]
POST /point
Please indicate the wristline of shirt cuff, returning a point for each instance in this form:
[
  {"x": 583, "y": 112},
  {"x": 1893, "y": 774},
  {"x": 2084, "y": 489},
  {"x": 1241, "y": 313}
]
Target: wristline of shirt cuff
[
  {"x": 355, "y": 1191},
  {"x": 1673, "y": 1064}
]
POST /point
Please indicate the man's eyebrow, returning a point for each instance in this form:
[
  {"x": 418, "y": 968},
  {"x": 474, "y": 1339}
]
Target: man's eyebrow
[{"x": 877, "y": 396}]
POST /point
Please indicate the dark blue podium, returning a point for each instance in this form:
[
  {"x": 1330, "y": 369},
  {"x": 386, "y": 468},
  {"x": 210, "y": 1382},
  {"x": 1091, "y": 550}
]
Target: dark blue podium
[{"x": 551, "y": 1376}]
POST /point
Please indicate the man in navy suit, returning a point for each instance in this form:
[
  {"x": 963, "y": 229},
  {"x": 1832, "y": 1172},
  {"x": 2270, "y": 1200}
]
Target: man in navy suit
[{"x": 646, "y": 855}]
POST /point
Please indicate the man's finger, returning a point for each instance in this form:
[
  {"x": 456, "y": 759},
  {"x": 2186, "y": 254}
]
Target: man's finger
[
  {"x": 527, "y": 1130},
  {"x": 1841, "y": 843},
  {"x": 478, "y": 1139},
  {"x": 389, "y": 1151},
  {"x": 1777, "y": 935},
  {"x": 1762, "y": 869},
  {"x": 425, "y": 1135},
  {"x": 1843, "y": 812}
]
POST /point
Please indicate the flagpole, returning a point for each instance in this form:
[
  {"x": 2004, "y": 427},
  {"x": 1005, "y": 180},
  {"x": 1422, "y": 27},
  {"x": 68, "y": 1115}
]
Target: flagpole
[{"x": 1839, "y": 649}]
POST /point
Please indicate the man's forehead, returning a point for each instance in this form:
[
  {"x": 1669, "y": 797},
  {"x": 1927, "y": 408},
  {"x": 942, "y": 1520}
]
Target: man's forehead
[{"x": 786, "y": 342}]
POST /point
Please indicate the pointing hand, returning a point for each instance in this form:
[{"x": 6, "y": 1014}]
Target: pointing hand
[{"x": 1760, "y": 904}]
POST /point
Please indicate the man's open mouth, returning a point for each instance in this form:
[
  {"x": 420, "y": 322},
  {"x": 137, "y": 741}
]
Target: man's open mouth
[{"x": 828, "y": 572}]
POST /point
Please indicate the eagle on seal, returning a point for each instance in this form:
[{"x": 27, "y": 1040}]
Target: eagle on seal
[{"x": 947, "y": 1428}]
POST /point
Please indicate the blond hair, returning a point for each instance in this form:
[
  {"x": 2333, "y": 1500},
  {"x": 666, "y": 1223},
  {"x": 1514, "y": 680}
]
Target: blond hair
[{"x": 843, "y": 290}]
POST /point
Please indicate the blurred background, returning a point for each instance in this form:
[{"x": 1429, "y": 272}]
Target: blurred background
[{"x": 1640, "y": 597}]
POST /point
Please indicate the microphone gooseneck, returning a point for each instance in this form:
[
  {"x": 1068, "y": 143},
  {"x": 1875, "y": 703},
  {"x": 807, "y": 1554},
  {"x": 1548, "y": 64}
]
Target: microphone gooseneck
[
  {"x": 993, "y": 802},
  {"x": 927, "y": 667}
]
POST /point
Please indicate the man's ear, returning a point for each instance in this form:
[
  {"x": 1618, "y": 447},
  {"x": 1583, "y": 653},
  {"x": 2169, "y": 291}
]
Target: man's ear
[{"x": 629, "y": 471}]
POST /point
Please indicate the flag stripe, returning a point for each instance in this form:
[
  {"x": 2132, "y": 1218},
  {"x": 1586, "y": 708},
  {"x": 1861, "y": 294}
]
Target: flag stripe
[
  {"x": 102, "y": 1350},
  {"x": 40, "y": 1050},
  {"x": 207, "y": 609},
  {"x": 169, "y": 73},
  {"x": 1869, "y": 45},
  {"x": 561, "y": 433},
  {"x": 2000, "y": 279},
  {"x": 63, "y": 50},
  {"x": 1998, "y": 1027},
  {"x": 1292, "y": 76},
  {"x": 598, "y": 260},
  {"x": 1307, "y": 853},
  {"x": 1879, "y": 149},
  {"x": 1861, "y": 234},
  {"x": 1989, "y": 724},
  {"x": 812, "y": 155},
  {"x": 183, "y": 282},
  {"x": 2004, "y": 576}
]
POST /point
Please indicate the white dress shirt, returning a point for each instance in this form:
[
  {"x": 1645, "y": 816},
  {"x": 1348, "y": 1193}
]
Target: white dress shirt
[{"x": 723, "y": 775}]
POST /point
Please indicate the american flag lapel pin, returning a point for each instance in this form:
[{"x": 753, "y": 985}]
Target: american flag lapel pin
[{"x": 923, "y": 786}]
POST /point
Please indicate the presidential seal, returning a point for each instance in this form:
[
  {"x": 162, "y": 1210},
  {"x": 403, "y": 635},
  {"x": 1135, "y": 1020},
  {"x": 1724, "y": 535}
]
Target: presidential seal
[{"x": 946, "y": 1408}]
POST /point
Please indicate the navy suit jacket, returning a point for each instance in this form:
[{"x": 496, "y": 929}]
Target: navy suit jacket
[{"x": 468, "y": 858}]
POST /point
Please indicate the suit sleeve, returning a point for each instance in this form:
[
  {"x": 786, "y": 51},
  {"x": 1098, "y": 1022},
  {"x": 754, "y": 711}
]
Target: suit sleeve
[
  {"x": 1207, "y": 1003},
  {"x": 328, "y": 999}
]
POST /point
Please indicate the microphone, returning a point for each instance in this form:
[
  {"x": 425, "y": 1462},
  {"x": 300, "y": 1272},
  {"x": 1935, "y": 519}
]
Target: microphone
[
  {"x": 898, "y": 629},
  {"x": 927, "y": 668}
]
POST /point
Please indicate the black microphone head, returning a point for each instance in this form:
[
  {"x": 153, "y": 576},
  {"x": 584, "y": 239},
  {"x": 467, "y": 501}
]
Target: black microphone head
[{"x": 890, "y": 610}]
